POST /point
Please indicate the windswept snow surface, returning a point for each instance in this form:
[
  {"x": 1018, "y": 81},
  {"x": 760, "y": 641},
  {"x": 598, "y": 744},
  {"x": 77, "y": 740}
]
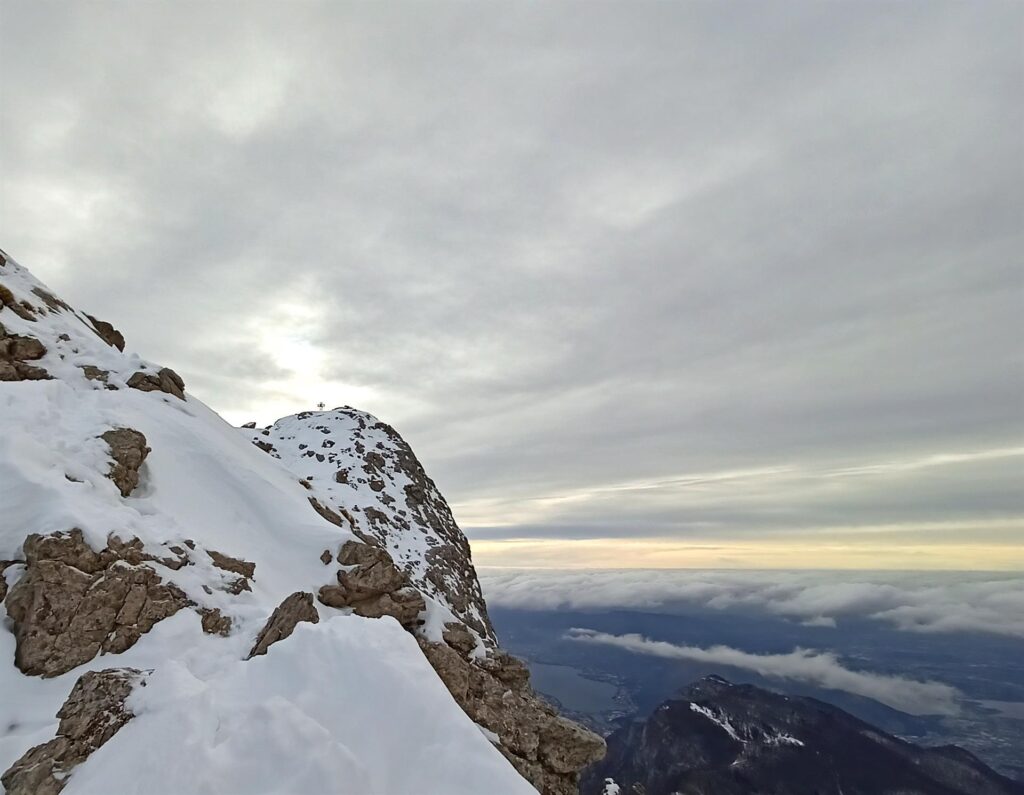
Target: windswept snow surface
[{"x": 348, "y": 705}]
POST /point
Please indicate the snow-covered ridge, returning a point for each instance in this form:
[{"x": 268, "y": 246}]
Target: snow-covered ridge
[
  {"x": 750, "y": 732},
  {"x": 204, "y": 553},
  {"x": 718, "y": 720}
]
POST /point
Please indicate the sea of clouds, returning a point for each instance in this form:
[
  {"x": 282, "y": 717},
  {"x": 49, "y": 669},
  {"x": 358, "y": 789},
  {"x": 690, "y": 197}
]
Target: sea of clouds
[
  {"x": 930, "y": 602},
  {"x": 910, "y": 601}
]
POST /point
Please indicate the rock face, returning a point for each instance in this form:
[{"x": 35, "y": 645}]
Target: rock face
[
  {"x": 16, "y": 351},
  {"x": 92, "y": 714},
  {"x": 546, "y": 749},
  {"x": 717, "y": 737},
  {"x": 282, "y": 622},
  {"x": 128, "y": 449},
  {"x": 73, "y": 603},
  {"x": 491, "y": 686},
  {"x": 360, "y": 468}
]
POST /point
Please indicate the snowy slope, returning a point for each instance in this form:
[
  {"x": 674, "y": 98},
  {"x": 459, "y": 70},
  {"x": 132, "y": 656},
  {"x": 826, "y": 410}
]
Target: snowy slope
[{"x": 348, "y": 704}]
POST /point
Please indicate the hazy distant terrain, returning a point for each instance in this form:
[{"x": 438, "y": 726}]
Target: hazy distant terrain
[{"x": 599, "y": 682}]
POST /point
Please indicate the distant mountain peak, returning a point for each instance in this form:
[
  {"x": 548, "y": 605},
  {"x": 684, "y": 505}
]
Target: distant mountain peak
[{"x": 717, "y": 737}]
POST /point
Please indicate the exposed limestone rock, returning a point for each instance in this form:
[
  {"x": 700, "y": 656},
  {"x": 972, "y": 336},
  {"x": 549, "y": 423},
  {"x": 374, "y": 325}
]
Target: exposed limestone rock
[
  {"x": 234, "y": 565},
  {"x": 165, "y": 380},
  {"x": 53, "y": 302},
  {"x": 93, "y": 713},
  {"x": 16, "y": 351},
  {"x": 405, "y": 604},
  {"x": 73, "y": 603},
  {"x": 547, "y": 749},
  {"x": 331, "y": 516},
  {"x": 128, "y": 449},
  {"x": 132, "y": 552},
  {"x": 94, "y": 373},
  {"x": 375, "y": 572},
  {"x": 3, "y": 583},
  {"x": 493, "y": 690},
  {"x": 458, "y": 637},
  {"x": 107, "y": 332},
  {"x": 295, "y": 608},
  {"x": 335, "y": 518},
  {"x": 450, "y": 666},
  {"x": 373, "y": 586},
  {"x": 22, "y": 309},
  {"x": 238, "y": 585},
  {"x": 214, "y": 623}
]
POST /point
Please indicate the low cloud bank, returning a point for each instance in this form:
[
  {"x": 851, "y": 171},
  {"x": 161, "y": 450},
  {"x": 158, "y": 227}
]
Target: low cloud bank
[
  {"x": 930, "y": 603},
  {"x": 822, "y": 669}
]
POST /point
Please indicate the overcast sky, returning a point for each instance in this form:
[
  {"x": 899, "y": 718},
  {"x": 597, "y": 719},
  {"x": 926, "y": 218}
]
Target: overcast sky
[{"x": 682, "y": 283}]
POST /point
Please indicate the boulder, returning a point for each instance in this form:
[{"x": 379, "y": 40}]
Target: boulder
[
  {"x": 214, "y": 622},
  {"x": 373, "y": 573},
  {"x": 458, "y": 636},
  {"x": 373, "y": 586},
  {"x": 93, "y": 713},
  {"x": 282, "y": 622},
  {"x": 128, "y": 449},
  {"x": 107, "y": 332},
  {"x": 164, "y": 380}
]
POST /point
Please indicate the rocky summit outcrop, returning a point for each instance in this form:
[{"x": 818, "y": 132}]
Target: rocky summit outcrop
[
  {"x": 282, "y": 622},
  {"x": 92, "y": 714},
  {"x": 73, "y": 603},
  {"x": 353, "y": 529},
  {"x": 360, "y": 468},
  {"x": 128, "y": 449}
]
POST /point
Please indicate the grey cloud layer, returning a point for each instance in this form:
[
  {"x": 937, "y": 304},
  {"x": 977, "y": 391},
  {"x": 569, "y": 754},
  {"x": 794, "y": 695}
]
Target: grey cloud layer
[
  {"x": 823, "y": 669},
  {"x": 561, "y": 250},
  {"x": 927, "y": 603}
]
